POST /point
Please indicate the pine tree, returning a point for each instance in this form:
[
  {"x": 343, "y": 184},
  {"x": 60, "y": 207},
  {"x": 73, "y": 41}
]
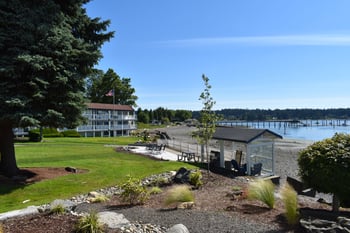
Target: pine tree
[{"x": 47, "y": 48}]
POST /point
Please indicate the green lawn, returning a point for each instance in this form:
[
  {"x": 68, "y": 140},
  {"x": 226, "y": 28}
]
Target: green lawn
[{"x": 106, "y": 168}]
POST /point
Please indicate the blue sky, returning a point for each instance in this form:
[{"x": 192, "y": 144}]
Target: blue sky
[{"x": 265, "y": 54}]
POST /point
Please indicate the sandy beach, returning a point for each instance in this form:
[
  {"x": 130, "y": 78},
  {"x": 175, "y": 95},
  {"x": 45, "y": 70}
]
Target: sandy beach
[{"x": 286, "y": 150}]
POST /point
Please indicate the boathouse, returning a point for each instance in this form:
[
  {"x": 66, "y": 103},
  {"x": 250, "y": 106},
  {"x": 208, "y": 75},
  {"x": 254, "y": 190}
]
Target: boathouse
[{"x": 256, "y": 145}]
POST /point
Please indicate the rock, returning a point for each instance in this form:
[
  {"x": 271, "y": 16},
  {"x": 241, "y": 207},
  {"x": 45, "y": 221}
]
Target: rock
[
  {"x": 66, "y": 204},
  {"x": 94, "y": 194},
  {"x": 182, "y": 176},
  {"x": 325, "y": 226},
  {"x": 186, "y": 205},
  {"x": 178, "y": 228},
  {"x": 71, "y": 169},
  {"x": 112, "y": 220},
  {"x": 19, "y": 213}
]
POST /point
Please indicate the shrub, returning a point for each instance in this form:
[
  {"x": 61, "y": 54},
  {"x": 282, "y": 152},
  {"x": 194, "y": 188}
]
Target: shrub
[
  {"x": 290, "y": 199},
  {"x": 57, "y": 209},
  {"x": 160, "y": 181},
  {"x": 236, "y": 188},
  {"x": 34, "y": 136},
  {"x": 196, "y": 178},
  {"x": 155, "y": 190},
  {"x": 99, "y": 199},
  {"x": 262, "y": 190},
  {"x": 89, "y": 224},
  {"x": 133, "y": 191},
  {"x": 326, "y": 161},
  {"x": 71, "y": 133},
  {"x": 178, "y": 194}
]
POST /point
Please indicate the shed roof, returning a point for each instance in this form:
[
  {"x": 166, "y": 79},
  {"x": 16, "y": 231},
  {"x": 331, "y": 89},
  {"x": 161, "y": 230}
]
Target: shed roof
[
  {"x": 244, "y": 135},
  {"x": 109, "y": 106}
]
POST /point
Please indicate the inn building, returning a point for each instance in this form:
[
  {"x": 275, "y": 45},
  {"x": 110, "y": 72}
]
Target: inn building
[{"x": 108, "y": 120}]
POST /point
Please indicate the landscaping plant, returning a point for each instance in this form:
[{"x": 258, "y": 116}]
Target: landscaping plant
[
  {"x": 324, "y": 166},
  {"x": 178, "y": 194},
  {"x": 155, "y": 190},
  {"x": 99, "y": 199},
  {"x": 196, "y": 179},
  {"x": 290, "y": 199},
  {"x": 57, "y": 209},
  {"x": 89, "y": 224},
  {"x": 262, "y": 190},
  {"x": 134, "y": 192}
]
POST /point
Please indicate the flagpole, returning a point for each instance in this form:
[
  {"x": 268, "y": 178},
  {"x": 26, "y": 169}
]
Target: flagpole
[{"x": 113, "y": 96}]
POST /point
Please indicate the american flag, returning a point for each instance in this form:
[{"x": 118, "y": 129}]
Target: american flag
[{"x": 110, "y": 93}]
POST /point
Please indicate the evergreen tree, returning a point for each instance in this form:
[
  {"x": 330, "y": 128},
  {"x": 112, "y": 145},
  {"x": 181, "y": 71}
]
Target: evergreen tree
[
  {"x": 102, "y": 83},
  {"x": 47, "y": 47}
]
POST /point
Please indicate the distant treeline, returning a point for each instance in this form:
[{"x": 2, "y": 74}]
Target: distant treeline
[
  {"x": 165, "y": 115},
  {"x": 278, "y": 114}
]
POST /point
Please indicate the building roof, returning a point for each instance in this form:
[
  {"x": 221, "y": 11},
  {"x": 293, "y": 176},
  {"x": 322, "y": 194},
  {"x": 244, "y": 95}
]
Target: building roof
[
  {"x": 118, "y": 107},
  {"x": 244, "y": 135}
]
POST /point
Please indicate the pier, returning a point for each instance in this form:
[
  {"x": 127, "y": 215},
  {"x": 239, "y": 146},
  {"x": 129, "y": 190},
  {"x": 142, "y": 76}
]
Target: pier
[{"x": 285, "y": 123}]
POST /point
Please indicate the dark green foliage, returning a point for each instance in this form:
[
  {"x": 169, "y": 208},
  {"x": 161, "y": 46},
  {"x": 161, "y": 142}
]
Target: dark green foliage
[
  {"x": 160, "y": 114},
  {"x": 47, "y": 132},
  {"x": 34, "y": 136},
  {"x": 71, "y": 133},
  {"x": 325, "y": 166},
  {"x": 47, "y": 49},
  {"x": 99, "y": 84},
  {"x": 280, "y": 114}
]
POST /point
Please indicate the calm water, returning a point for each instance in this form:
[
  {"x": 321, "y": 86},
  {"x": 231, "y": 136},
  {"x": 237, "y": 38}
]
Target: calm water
[{"x": 313, "y": 133}]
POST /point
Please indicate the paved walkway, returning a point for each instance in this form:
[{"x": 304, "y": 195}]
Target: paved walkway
[{"x": 166, "y": 154}]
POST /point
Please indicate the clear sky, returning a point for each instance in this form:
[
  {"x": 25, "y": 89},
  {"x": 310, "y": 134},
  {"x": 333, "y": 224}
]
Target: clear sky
[{"x": 265, "y": 54}]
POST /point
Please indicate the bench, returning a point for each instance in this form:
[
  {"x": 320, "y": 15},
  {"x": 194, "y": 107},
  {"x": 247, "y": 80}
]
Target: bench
[{"x": 186, "y": 155}]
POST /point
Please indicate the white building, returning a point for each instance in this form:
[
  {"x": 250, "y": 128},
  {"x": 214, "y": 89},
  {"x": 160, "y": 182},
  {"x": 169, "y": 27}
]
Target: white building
[{"x": 108, "y": 120}]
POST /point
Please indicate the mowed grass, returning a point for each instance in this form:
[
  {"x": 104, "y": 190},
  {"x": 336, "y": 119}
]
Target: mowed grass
[{"x": 105, "y": 166}]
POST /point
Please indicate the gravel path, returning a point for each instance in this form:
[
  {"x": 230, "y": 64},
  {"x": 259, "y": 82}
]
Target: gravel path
[{"x": 195, "y": 221}]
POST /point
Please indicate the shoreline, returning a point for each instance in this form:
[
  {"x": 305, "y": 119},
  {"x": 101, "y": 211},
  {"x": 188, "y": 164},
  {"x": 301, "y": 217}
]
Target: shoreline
[{"x": 286, "y": 150}]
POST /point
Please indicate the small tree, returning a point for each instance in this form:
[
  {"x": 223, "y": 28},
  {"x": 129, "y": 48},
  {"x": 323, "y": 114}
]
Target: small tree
[
  {"x": 208, "y": 118},
  {"x": 325, "y": 165}
]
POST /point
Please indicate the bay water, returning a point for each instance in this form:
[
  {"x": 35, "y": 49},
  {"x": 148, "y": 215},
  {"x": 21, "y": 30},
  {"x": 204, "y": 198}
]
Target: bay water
[{"x": 306, "y": 130}]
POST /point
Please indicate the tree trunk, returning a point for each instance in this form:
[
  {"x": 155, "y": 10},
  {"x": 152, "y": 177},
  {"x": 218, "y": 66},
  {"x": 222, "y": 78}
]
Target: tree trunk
[
  {"x": 208, "y": 158},
  {"x": 8, "y": 165},
  {"x": 335, "y": 203}
]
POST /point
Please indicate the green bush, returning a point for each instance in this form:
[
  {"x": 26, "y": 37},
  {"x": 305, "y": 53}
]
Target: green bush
[
  {"x": 134, "y": 192},
  {"x": 178, "y": 194},
  {"x": 57, "y": 209},
  {"x": 71, "y": 133},
  {"x": 196, "y": 179},
  {"x": 99, "y": 199},
  {"x": 34, "y": 136},
  {"x": 327, "y": 161},
  {"x": 290, "y": 199},
  {"x": 262, "y": 190},
  {"x": 155, "y": 190},
  {"x": 89, "y": 224}
]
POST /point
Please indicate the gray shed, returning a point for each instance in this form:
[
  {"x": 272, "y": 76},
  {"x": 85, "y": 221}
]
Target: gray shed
[{"x": 257, "y": 146}]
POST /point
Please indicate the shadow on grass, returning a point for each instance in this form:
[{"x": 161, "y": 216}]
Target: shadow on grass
[{"x": 10, "y": 184}]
